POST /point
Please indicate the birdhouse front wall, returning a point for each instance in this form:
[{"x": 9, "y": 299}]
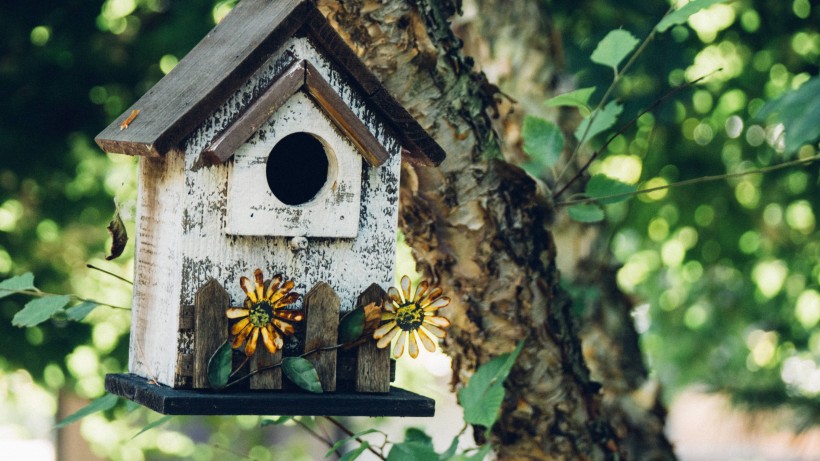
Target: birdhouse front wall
[
  {"x": 253, "y": 209},
  {"x": 191, "y": 235}
]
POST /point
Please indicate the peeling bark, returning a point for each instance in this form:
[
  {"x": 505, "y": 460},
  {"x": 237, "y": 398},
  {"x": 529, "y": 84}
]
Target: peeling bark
[{"x": 479, "y": 226}]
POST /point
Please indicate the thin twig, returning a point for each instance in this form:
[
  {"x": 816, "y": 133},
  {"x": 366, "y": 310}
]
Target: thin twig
[
  {"x": 689, "y": 182},
  {"x": 317, "y": 436},
  {"x": 278, "y": 364},
  {"x": 239, "y": 367},
  {"x": 41, "y": 294},
  {"x": 350, "y": 433},
  {"x": 625, "y": 127},
  {"x": 91, "y": 266}
]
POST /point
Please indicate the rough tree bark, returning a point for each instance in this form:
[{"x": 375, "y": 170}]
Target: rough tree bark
[{"x": 483, "y": 229}]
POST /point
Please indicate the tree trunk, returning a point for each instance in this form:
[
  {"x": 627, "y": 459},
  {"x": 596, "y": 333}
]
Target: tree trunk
[{"x": 479, "y": 226}]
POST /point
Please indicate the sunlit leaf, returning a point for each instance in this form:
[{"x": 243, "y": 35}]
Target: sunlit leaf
[
  {"x": 412, "y": 451},
  {"x": 600, "y": 121},
  {"x": 578, "y": 98},
  {"x": 799, "y": 112},
  {"x": 79, "y": 311},
  {"x": 152, "y": 425},
  {"x": 276, "y": 422},
  {"x": 103, "y": 403},
  {"x": 601, "y": 186},
  {"x": 39, "y": 310},
  {"x": 302, "y": 373},
  {"x": 586, "y": 212},
  {"x": 484, "y": 393},
  {"x": 219, "y": 366},
  {"x": 614, "y": 48},
  {"x": 682, "y": 14},
  {"x": 543, "y": 142},
  {"x": 119, "y": 237},
  {"x": 18, "y": 283}
]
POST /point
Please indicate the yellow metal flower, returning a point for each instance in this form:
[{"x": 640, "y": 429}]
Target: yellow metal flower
[
  {"x": 409, "y": 316},
  {"x": 263, "y": 313}
]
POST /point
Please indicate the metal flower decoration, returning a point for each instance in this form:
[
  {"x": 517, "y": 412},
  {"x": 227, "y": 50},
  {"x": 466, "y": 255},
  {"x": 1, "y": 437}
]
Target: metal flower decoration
[
  {"x": 407, "y": 317},
  {"x": 263, "y": 313}
]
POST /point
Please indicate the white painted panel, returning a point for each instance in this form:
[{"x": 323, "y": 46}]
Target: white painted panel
[
  {"x": 157, "y": 283},
  {"x": 334, "y": 212}
]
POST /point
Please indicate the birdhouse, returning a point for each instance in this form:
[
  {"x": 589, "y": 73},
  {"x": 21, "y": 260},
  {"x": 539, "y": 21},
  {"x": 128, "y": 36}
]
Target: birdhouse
[{"x": 269, "y": 146}]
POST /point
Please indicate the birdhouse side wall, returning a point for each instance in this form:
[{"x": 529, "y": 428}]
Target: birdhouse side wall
[{"x": 155, "y": 312}]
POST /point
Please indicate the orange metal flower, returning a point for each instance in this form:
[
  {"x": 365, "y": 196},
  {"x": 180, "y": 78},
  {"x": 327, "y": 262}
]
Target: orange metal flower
[
  {"x": 263, "y": 313},
  {"x": 406, "y": 317}
]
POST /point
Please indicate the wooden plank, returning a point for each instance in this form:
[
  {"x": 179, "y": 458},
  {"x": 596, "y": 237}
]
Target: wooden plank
[
  {"x": 371, "y": 149},
  {"x": 288, "y": 83},
  {"x": 373, "y": 364},
  {"x": 398, "y": 402},
  {"x": 322, "y": 318},
  {"x": 206, "y": 76},
  {"x": 210, "y": 327},
  {"x": 268, "y": 379}
]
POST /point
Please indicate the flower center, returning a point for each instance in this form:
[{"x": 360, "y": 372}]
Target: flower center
[
  {"x": 261, "y": 314},
  {"x": 409, "y": 316}
]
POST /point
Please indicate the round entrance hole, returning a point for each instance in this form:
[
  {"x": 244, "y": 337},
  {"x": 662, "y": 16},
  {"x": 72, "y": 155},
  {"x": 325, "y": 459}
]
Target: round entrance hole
[{"x": 297, "y": 168}]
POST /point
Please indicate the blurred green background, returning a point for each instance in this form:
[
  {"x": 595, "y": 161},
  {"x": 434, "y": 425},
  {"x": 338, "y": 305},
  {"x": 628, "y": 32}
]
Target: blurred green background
[{"x": 727, "y": 274}]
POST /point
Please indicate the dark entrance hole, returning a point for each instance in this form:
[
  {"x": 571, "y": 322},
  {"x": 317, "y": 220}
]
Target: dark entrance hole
[{"x": 297, "y": 168}]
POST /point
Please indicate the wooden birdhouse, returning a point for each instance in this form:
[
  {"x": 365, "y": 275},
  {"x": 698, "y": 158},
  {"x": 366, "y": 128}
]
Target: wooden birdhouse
[{"x": 270, "y": 146}]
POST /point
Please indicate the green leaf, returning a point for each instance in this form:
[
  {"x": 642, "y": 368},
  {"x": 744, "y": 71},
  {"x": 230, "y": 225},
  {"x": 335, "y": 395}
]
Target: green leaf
[
  {"x": 103, "y": 403},
  {"x": 343, "y": 441},
  {"x": 682, "y": 14},
  {"x": 798, "y": 111},
  {"x": 276, "y": 422},
  {"x": 586, "y": 212},
  {"x": 578, "y": 98},
  {"x": 477, "y": 456},
  {"x": 79, "y": 311},
  {"x": 614, "y": 48},
  {"x": 39, "y": 310},
  {"x": 543, "y": 142},
  {"x": 351, "y": 326},
  {"x": 451, "y": 450},
  {"x": 412, "y": 451},
  {"x": 355, "y": 453},
  {"x": 484, "y": 393},
  {"x": 150, "y": 426},
  {"x": 219, "y": 366},
  {"x": 18, "y": 283},
  {"x": 302, "y": 373},
  {"x": 414, "y": 434},
  {"x": 601, "y": 186},
  {"x": 600, "y": 120}
]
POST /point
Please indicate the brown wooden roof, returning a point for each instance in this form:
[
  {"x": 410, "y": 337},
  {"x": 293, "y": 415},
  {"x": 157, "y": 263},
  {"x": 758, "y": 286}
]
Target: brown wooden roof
[{"x": 226, "y": 58}]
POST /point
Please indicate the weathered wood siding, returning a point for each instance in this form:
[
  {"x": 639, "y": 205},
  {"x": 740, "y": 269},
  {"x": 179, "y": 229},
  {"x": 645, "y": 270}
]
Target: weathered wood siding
[{"x": 157, "y": 285}]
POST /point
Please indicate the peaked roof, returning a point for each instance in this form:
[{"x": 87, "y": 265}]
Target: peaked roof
[{"x": 226, "y": 58}]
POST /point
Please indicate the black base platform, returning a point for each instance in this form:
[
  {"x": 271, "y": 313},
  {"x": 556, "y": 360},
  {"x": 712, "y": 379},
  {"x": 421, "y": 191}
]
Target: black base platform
[{"x": 169, "y": 401}]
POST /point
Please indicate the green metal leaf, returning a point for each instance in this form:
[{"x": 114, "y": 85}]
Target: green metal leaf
[
  {"x": 614, "y": 48},
  {"x": 219, "y": 366},
  {"x": 798, "y": 111},
  {"x": 599, "y": 121},
  {"x": 152, "y": 425},
  {"x": 351, "y": 326},
  {"x": 484, "y": 393},
  {"x": 103, "y": 403},
  {"x": 578, "y": 98},
  {"x": 79, "y": 311},
  {"x": 601, "y": 186},
  {"x": 543, "y": 142},
  {"x": 19, "y": 283},
  {"x": 302, "y": 373},
  {"x": 586, "y": 212},
  {"x": 682, "y": 14},
  {"x": 39, "y": 310}
]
